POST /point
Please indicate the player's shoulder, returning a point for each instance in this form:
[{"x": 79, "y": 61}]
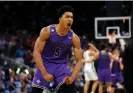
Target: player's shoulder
[
  {"x": 45, "y": 30},
  {"x": 75, "y": 40}
]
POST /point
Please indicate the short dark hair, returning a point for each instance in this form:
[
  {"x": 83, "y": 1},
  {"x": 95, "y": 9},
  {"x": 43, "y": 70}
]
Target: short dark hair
[
  {"x": 64, "y": 9},
  {"x": 102, "y": 46}
]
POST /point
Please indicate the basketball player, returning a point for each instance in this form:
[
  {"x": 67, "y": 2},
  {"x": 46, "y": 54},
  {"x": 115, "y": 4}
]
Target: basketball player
[
  {"x": 104, "y": 72},
  {"x": 89, "y": 69},
  {"x": 51, "y": 55},
  {"x": 116, "y": 71}
]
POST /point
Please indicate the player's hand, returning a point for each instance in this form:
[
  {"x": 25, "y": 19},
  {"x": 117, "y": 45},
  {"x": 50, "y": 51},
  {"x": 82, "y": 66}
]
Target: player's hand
[
  {"x": 120, "y": 60},
  {"x": 117, "y": 58},
  {"x": 48, "y": 77},
  {"x": 68, "y": 80}
]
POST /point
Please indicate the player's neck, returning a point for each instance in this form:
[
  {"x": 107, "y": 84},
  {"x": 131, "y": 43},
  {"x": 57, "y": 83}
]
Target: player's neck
[{"x": 61, "y": 31}]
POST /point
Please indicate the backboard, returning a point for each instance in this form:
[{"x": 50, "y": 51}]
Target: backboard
[{"x": 107, "y": 25}]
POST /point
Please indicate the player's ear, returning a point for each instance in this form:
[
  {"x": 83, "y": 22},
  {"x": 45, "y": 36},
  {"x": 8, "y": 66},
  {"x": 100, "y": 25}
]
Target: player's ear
[{"x": 59, "y": 19}]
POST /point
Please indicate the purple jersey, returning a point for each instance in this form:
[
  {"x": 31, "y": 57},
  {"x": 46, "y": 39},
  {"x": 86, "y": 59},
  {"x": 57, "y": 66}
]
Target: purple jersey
[
  {"x": 57, "y": 47},
  {"x": 104, "y": 61},
  {"x": 116, "y": 67},
  {"x": 104, "y": 72},
  {"x": 55, "y": 57},
  {"x": 116, "y": 73}
]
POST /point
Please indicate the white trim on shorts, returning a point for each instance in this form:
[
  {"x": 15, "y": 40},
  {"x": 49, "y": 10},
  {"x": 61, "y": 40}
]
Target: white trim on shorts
[
  {"x": 59, "y": 85},
  {"x": 47, "y": 90},
  {"x": 41, "y": 87}
]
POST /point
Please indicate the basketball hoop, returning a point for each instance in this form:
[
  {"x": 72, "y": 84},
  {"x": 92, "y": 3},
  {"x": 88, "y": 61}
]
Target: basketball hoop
[{"x": 112, "y": 38}]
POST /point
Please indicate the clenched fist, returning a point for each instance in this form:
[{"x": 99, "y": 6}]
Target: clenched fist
[
  {"x": 68, "y": 80},
  {"x": 48, "y": 77}
]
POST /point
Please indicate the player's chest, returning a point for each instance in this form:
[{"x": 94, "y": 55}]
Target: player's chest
[{"x": 61, "y": 40}]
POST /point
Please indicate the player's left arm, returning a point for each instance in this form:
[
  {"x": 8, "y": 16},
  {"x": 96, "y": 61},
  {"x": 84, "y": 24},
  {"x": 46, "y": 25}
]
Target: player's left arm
[
  {"x": 78, "y": 55},
  {"x": 111, "y": 64},
  {"x": 121, "y": 64},
  {"x": 94, "y": 48}
]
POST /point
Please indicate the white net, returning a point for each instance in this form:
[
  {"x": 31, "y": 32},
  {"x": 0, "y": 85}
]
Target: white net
[{"x": 112, "y": 39}]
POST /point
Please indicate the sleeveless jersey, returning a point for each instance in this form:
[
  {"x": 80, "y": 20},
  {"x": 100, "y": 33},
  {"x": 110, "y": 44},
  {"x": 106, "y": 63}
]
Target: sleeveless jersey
[
  {"x": 57, "y": 47},
  {"x": 116, "y": 67},
  {"x": 104, "y": 61}
]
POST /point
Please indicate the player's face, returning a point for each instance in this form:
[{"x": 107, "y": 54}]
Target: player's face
[
  {"x": 116, "y": 54},
  {"x": 67, "y": 20}
]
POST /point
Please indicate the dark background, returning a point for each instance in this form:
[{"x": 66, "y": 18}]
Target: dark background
[{"x": 32, "y": 16}]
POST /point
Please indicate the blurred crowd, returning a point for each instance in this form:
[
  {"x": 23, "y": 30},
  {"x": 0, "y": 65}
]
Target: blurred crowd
[{"x": 16, "y": 62}]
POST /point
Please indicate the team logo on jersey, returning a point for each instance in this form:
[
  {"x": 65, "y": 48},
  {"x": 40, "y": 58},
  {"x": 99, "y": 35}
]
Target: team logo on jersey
[
  {"x": 69, "y": 37},
  {"x": 38, "y": 81},
  {"x": 52, "y": 30}
]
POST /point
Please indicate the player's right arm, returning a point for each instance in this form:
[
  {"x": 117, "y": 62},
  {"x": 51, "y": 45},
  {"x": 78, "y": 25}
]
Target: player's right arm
[
  {"x": 121, "y": 64},
  {"x": 94, "y": 48},
  {"x": 38, "y": 48},
  {"x": 111, "y": 64},
  {"x": 96, "y": 53}
]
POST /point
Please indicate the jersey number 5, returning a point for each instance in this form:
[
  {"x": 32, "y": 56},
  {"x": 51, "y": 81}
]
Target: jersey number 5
[{"x": 57, "y": 51}]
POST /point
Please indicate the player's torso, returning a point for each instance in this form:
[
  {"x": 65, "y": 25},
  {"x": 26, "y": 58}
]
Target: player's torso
[
  {"x": 90, "y": 63},
  {"x": 116, "y": 68},
  {"x": 104, "y": 61},
  {"x": 57, "y": 47}
]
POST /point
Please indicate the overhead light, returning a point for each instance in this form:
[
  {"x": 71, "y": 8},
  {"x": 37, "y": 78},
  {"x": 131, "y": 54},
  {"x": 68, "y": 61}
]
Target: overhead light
[
  {"x": 26, "y": 71},
  {"x": 10, "y": 70},
  {"x": 18, "y": 70}
]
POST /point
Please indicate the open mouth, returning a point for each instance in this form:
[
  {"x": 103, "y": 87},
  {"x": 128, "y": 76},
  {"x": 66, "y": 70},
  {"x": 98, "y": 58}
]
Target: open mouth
[{"x": 69, "y": 24}]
